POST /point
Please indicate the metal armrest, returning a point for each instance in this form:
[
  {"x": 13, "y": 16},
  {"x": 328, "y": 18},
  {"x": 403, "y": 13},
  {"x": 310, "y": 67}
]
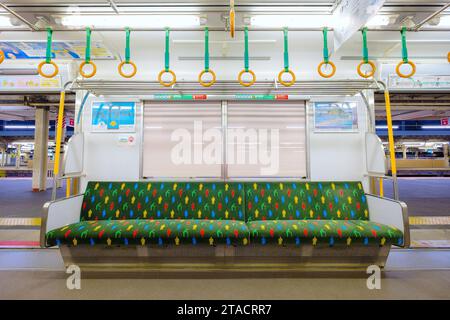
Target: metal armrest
[
  {"x": 59, "y": 213},
  {"x": 390, "y": 212}
]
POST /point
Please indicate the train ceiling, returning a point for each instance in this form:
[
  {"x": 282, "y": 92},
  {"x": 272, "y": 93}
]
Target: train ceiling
[{"x": 29, "y": 14}]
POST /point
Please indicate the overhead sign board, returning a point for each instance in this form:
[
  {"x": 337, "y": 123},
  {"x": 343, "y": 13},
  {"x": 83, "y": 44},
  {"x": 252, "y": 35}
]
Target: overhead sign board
[
  {"x": 29, "y": 83},
  {"x": 350, "y": 16},
  {"x": 60, "y": 50},
  {"x": 419, "y": 82}
]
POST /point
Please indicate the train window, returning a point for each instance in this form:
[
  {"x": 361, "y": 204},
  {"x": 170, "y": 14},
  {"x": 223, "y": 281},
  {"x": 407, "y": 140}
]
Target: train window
[
  {"x": 182, "y": 140},
  {"x": 266, "y": 139}
]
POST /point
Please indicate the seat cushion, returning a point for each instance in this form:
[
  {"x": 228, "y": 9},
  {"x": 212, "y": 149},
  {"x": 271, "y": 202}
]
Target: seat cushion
[
  {"x": 150, "y": 231},
  {"x": 289, "y": 200},
  {"x": 163, "y": 200},
  {"x": 330, "y": 231}
]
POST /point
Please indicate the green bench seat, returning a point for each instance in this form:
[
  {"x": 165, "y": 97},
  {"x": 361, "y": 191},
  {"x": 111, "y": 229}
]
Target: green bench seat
[
  {"x": 320, "y": 231},
  {"x": 233, "y": 213},
  {"x": 151, "y": 231}
]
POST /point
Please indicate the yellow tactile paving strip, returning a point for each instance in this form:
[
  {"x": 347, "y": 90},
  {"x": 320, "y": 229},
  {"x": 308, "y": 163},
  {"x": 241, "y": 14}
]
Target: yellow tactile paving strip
[
  {"x": 430, "y": 243},
  {"x": 16, "y": 222},
  {"x": 429, "y": 220}
]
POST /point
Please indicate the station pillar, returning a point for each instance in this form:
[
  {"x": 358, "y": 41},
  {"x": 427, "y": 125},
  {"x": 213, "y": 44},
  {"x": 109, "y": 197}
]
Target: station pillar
[
  {"x": 445, "y": 149},
  {"x": 2, "y": 160},
  {"x": 40, "y": 156},
  {"x": 404, "y": 149},
  {"x": 18, "y": 155}
]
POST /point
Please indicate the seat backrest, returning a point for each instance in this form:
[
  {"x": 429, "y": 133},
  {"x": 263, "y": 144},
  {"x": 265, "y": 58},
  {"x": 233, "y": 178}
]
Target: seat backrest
[
  {"x": 305, "y": 200},
  {"x": 163, "y": 200}
]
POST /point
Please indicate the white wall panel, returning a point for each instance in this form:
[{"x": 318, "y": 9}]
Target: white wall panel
[{"x": 338, "y": 156}]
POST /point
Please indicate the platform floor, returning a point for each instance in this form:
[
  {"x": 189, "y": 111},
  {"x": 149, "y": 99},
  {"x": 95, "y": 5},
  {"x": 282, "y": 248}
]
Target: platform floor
[
  {"x": 409, "y": 274},
  {"x": 424, "y": 196},
  {"x": 17, "y": 199}
]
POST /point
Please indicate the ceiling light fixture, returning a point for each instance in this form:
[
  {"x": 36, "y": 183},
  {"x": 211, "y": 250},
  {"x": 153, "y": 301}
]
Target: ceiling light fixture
[
  {"x": 5, "y": 21},
  {"x": 379, "y": 20},
  {"x": 131, "y": 21},
  {"x": 293, "y": 21}
]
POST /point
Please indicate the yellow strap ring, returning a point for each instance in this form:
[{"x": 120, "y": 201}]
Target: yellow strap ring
[
  {"x": 130, "y": 75},
  {"x": 448, "y": 57},
  {"x": 284, "y": 83},
  {"x": 51, "y": 75},
  {"x": 324, "y": 75},
  {"x": 373, "y": 68},
  {"x": 207, "y": 84},
  {"x": 93, "y": 72},
  {"x": 2, "y": 56},
  {"x": 167, "y": 84},
  {"x": 246, "y": 84},
  {"x": 403, "y": 75}
]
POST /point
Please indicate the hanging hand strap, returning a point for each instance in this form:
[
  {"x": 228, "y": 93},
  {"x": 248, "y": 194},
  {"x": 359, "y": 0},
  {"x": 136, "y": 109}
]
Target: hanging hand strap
[
  {"x": 365, "y": 50},
  {"x": 286, "y": 51},
  {"x": 246, "y": 62},
  {"x": 127, "y": 45},
  {"x": 166, "y": 54},
  {"x": 404, "y": 49},
  {"x": 325, "y": 45},
  {"x": 48, "y": 53},
  {"x": 206, "y": 49},
  {"x": 87, "y": 55}
]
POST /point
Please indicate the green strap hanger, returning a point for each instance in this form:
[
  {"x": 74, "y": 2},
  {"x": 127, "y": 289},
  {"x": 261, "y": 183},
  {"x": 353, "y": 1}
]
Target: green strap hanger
[
  {"x": 325, "y": 45},
  {"x": 167, "y": 54},
  {"x": 127, "y": 45},
  {"x": 286, "y": 52},
  {"x": 404, "y": 49},
  {"x": 365, "y": 50},
  {"x": 206, "y": 49},
  {"x": 87, "y": 56},
  {"x": 48, "y": 53},
  {"x": 246, "y": 59}
]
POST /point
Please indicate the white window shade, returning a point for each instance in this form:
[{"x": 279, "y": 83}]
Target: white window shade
[
  {"x": 280, "y": 147},
  {"x": 166, "y": 124}
]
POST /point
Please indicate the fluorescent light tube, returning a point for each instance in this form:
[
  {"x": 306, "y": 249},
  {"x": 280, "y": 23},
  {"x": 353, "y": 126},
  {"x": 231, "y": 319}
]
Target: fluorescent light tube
[
  {"x": 293, "y": 21},
  {"x": 132, "y": 21},
  {"x": 19, "y": 127},
  {"x": 385, "y": 127},
  {"x": 444, "y": 21},
  {"x": 379, "y": 20},
  {"x": 5, "y": 21},
  {"x": 435, "y": 127}
]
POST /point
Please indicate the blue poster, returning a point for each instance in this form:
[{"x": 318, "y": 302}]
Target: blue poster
[
  {"x": 113, "y": 116},
  {"x": 335, "y": 116}
]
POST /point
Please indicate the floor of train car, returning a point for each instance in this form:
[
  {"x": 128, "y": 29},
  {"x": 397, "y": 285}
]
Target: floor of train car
[{"x": 409, "y": 274}]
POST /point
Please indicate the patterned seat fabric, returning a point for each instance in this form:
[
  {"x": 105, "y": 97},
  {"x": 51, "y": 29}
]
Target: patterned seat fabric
[
  {"x": 149, "y": 231},
  {"x": 305, "y": 200},
  {"x": 221, "y": 212},
  {"x": 320, "y": 231},
  {"x": 163, "y": 200}
]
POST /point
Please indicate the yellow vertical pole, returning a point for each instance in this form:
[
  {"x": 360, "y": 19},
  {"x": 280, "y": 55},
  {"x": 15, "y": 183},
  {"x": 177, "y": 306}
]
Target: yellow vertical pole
[
  {"x": 59, "y": 133},
  {"x": 391, "y": 141},
  {"x": 381, "y": 187},
  {"x": 68, "y": 182}
]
